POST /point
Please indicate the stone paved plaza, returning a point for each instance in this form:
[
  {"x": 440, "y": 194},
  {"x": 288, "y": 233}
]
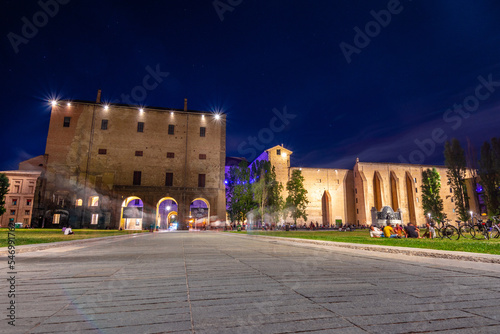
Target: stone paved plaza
[{"x": 227, "y": 283}]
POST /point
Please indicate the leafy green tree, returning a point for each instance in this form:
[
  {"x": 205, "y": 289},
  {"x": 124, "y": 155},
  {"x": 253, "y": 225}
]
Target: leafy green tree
[
  {"x": 457, "y": 169},
  {"x": 297, "y": 201},
  {"x": 431, "y": 200},
  {"x": 266, "y": 189},
  {"x": 490, "y": 175},
  {"x": 4, "y": 189},
  {"x": 238, "y": 192}
]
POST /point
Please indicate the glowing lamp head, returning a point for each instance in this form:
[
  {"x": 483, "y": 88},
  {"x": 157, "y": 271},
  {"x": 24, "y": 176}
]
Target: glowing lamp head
[
  {"x": 217, "y": 116},
  {"x": 141, "y": 110},
  {"x": 168, "y": 208},
  {"x": 171, "y": 113},
  {"x": 54, "y": 103},
  {"x": 69, "y": 104},
  {"x": 283, "y": 155},
  {"x": 106, "y": 107}
]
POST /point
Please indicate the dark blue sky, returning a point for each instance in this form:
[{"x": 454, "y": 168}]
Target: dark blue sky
[{"x": 253, "y": 57}]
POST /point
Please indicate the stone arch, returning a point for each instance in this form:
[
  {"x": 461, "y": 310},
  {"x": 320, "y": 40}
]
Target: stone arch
[
  {"x": 199, "y": 216},
  {"x": 394, "y": 192},
  {"x": 164, "y": 212},
  {"x": 377, "y": 191},
  {"x": 410, "y": 198},
  {"x": 131, "y": 213},
  {"x": 325, "y": 208}
]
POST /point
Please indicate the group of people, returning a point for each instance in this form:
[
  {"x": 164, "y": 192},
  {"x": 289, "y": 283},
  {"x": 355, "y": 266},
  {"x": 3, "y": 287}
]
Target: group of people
[{"x": 409, "y": 231}]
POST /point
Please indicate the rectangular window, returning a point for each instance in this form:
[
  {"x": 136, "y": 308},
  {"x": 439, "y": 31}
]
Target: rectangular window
[
  {"x": 138, "y": 153},
  {"x": 12, "y": 212},
  {"x": 26, "y": 212},
  {"x": 203, "y": 131},
  {"x": 278, "y": 152},
  {"x": 357, "y": 210},
  {"x": 203, "y": 156},
  {"x": 451, "y": 191},
  {"x": 94, "y": 201},
  {"x": 79, "y": 202},
  {"x": 137, "y": 178},
  {"x": 169, "y": 179},
  {"x": 31, "y": 189},
  {"x": 417, "y": 199},
  {"x": 56, "y": 219},
  {"x": 104, "y": 124},
  {"x": 67, "y": 120},
  {"x": 26, "y": 221},
  {"x": 17, "y": 189},
  {"x": 416, "y": 190},
  {"x": 102, "y": 151},
  {"x": 95, "y": 219},
  {"x": 170, "y": 155},
  {"x": 171, "y": 129},
  {"x": 28, "y": 202},
  {"x": 452, "y": 200},
  {"x": 356, "y": 200},
  {"x": 14, "y": 201},
  {"x": 140, "y": 126},
  {"x": 201, "y": 180}
]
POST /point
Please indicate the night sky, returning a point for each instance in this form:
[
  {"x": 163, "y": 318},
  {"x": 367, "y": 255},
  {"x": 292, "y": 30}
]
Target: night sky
[{"x": 324, "y": 78}]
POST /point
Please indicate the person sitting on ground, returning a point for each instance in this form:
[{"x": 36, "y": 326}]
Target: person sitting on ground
[
  {"x": 68, "y": 231},
  {"x": 389, "y": 232},
  {"x": 412, "y": 231},
  {"x": 375, "y": 232},
  {"x": 430, "y": 232},
  {"x": 400, "y": 231}
]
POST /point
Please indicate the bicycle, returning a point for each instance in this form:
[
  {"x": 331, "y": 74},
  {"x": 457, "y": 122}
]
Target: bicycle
[
  {"x": 481, "y": 229},
  {"x": 495, "y": 227},
  {"x": 447, "y": 230},
  {"x": 466, "y": 230}
]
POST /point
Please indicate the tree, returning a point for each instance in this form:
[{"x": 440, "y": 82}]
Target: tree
[
  {"x": 4, "y": 189},
  {"x": 457, "y": 168},
  {"x": 489, "y": 173},
  {"x": 297, "y": 200},
  {"x": 431, "y": 200},
  {"x": 238, "y": 192},
  {"x": 266, "y": 189}
]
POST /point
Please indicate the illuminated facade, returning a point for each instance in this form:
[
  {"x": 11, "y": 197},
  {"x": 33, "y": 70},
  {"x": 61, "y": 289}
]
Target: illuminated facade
[
  {"x": 343, "y": 196},
  {"x": 122, "y": 166}
]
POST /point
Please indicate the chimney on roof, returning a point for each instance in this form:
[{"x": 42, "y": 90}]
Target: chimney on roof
[
  {"x": 98, "y": 100},
  {"x": 185, "y": 104}
]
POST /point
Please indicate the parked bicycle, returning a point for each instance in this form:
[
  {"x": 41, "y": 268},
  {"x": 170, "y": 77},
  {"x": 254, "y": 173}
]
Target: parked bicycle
[
  {"x": 495, "y": 227},
  {"x": 466, "y": 229},
  {"x": 447, "y": 231}
]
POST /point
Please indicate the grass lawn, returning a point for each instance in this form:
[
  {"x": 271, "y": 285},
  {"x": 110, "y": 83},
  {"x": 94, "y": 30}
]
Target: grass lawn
[
  {"x": 39, "y": 236},
  {"x": 363, "y": 237}
]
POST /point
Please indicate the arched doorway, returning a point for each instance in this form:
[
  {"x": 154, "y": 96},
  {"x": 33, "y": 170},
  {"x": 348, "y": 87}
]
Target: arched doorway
[
  {"x": 394, "y": 192},
  {"x": 377, "y": 191},
  {"x": 410, "y": 198},
  {"x": 166, "y": 214},
  {"x": 131, "y": 215},
  {"x": 199, "y": 214},
  {"x": 325, "y": 208}
]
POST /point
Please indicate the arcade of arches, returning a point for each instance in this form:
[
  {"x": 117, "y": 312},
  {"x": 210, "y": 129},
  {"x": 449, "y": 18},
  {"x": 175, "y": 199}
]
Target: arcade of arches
[{"x": 166, "y": 214}]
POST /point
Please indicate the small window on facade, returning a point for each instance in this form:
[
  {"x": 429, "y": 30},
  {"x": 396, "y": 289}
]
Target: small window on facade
[
  {"x": 203, "y": 131},
  {"x": 104, "y": 124},
  {"x": 94, "y": 201},
  {"x": 278, "y": 152},
  {"x": 451, "y": 190},
  {"x": 417, "y": 199},
  {"x": 169, "y": 179},
  {"x": 137, "y": 178},
  {"x": 102, "y": 151},
  {"x": 453, "y": 210},
  {"x": 26, "y": 212},
  {"x": 357, "y": 210},
  {"x": 138, "y": 153},
  {"x": 56, "y": 218},
  {"x": 203, "y": 156},
  {"x": 140, "y": 126},
  {"x": 452, "y": 200},
  {"x": 12, "y": 212},
  {"x": 26, "y": 221},
  {"x": 67, "y": 120},
  {"x": 79, "y": 202},
  {"x": 415, "y": 179},
  {"x": 171, "y": 129},
  {"x": 170, "y": 155},
  {"x": 416, "y": 190},
  {"x": 95, "y": 219},
  {"x": 17, "y": 189},
  {"x": 356, "y": 200},
  {"x": 14, "y": 201},
  {"x": 31, "y": 189},
  {"x": 201, "y": 180},
  {"x": 28, "y": 202},
  {"x": 356, "y": 190}
]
